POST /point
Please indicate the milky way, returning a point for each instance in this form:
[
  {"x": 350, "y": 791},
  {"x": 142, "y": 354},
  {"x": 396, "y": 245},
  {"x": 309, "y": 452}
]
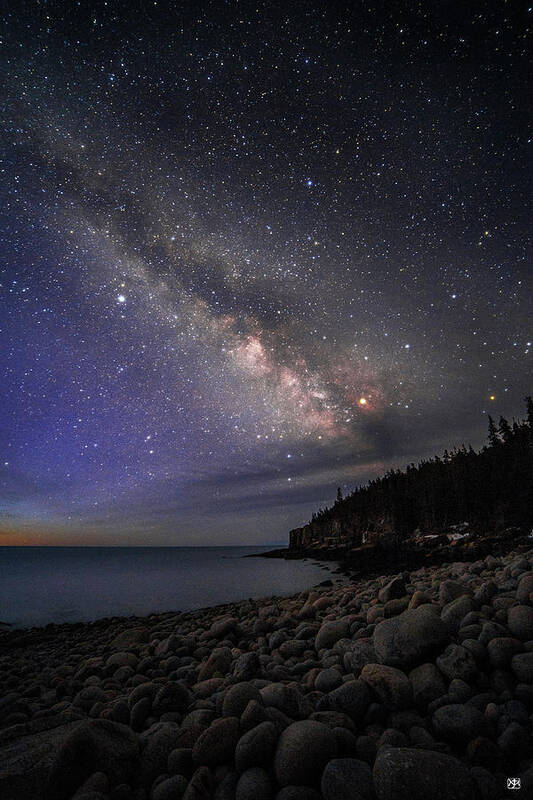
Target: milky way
[{"x": 251, "y": 252}]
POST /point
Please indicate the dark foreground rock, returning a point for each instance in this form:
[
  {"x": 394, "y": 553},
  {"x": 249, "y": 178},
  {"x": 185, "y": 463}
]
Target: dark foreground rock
[{"x": 417, "y": 685}]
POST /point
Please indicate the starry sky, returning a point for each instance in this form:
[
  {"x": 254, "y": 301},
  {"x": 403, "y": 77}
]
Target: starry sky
[{"x": 251, "y": 252}]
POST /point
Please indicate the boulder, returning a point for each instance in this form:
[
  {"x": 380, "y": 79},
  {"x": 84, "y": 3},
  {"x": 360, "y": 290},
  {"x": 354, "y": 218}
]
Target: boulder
[
  {"x": 217, "y": 744},
  {"x": 428, "y": 684},
  {"x": 237, "y": 698},
  {"x": 254, "y": 784},
  {"x": 351, "y": 698},
  {"x": 330, "y": 632},
  {"x": 405, "y": 773},
  {"x": 393, "y": 590},
  {"x": 93, "y": 746},
  {"x": 303, "y": 750},
  {"x": 347, "y": 779},
  {"x": 457, "y": 662},
  {"x": 410, "y": 638},
  {"x": 520, "y": 622},
  {"x": 459, "y": 723},
  {"x": 390, "y": 685},
  {"x": 256, "y": 748}
]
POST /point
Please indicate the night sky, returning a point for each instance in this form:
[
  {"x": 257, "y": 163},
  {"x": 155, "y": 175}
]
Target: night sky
[{"x": 251, "y": 252}]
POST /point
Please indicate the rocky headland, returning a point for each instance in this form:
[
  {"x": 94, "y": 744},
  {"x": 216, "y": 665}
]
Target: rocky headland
[{"x": 410, "y": 685}]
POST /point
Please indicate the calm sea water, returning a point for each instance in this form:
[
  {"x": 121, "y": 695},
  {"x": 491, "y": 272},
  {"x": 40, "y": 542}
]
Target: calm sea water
[{"x": 39, "y": 585}]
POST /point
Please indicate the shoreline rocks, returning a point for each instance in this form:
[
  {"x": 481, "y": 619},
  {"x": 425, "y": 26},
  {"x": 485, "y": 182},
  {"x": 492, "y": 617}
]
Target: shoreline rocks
[{"x": 409, "y": 685}]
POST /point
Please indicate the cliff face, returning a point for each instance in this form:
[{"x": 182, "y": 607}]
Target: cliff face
[{"x": 341, "y": 532}]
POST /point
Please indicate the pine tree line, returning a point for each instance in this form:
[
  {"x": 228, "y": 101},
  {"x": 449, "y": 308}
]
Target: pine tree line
[{"x": 490, "y": 489}]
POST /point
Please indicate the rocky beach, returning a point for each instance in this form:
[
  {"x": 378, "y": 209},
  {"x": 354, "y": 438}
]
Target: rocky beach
[{"x": 410, "y": 685}]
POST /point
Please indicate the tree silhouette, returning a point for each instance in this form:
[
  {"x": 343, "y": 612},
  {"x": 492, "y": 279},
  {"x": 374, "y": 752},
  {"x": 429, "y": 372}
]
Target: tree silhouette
[{"x": 488, "y": 489}]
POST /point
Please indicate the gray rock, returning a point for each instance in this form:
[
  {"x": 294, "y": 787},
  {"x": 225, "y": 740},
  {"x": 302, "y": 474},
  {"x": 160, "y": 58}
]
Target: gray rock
[
  {"x": 180, "y": 762},
  {"x": 89, "y": 696},
  {"x": 328, "y": 679},
  {"x": 200, "y": 785},
  {"x": 450, "y": 590},
  {"x": 172, "y": 696},
  {"x": 257, "y": 747},
  {"x": 284, "y": 698},
  {"x": 130, "y": 638},
  {"x": 347, "y": 779},
  {"x": 361, "y": 652},
  {"x": 390, "y": 685},
  {"x": 156, "y": 745},
  {"x": 253, "y": 715},
  {"x": 94, "y": 746},
  {"x": 217, "y": 744},
  {"x": 525, "y": 587},
  {"x": 303, "y": 751},
  {"x": 460, "y": 723},
  {"x": 237, "y": 698},
  {"x": 408, "y": 774},
  {"x": 224, "y": 627},
  {"x": 352, "y": 698},
  {"x": 298, "y": 793},
  {"x": 522, "y": 666},
  {"x": 254, "y": 784},
  {"x": 140, "y": 713},
  {"x": 246, "y": 666},
  {"x": 330, "y": 632},
  {"x": 501, "y": 650},
  {"x": 520, "y": 622},
  {"x": 410, "y": 638},
  {"x": 456, "y": 611},
  {"x": 393, "y": 590},
  {"x": 227, "y": 787},
  {"x": 457, "y": 662},
  {"x": 218, "y": 664},
  {"x": 172, "y": 788}
]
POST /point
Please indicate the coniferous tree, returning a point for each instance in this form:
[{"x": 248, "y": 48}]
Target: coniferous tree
[{"x": 487, "y": 489}]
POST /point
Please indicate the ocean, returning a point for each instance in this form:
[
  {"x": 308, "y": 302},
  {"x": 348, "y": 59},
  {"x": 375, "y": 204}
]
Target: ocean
[{"x": 39, "y": 585}]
